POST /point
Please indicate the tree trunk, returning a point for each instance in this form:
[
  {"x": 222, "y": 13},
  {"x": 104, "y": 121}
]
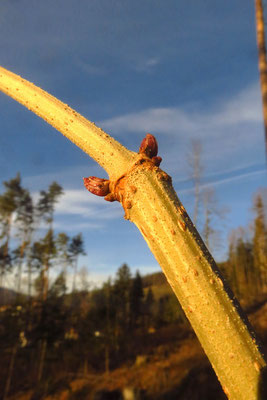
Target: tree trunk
[
  {"x": 10, "y": 370},
  {"x": 262, "y": 61},
  {"x": 42, "y": 360},
  {"x": 22, "y": 252},
  {"x": 29, "y": 281},
  {"x": 85, "y": 365},
  {"x": 74, "y": 275},
  {"x": 5, "y": 254},
  {"x": 107, "y": 358}
]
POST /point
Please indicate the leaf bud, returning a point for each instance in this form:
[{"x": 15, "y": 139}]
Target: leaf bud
[
  {"x": 156, "y": 160},
  {"x": 149, "y": 146},
  {"x": 97, "y": 186}
]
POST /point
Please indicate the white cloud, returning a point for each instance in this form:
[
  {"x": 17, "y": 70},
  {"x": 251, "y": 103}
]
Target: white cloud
[
  {"x": 148, "y": 64},
  {"x": 84, "y": 204},
  {"x": 90, "y": 69},
  {"x": 165, "y": 120},
  {"x": 77, "y": 226},
  {"x": 65, "y": 176},
  {"x": 245, "y": 107},
  {"x": 231, "y": 131},
  {"x": 78, "y": 210}
]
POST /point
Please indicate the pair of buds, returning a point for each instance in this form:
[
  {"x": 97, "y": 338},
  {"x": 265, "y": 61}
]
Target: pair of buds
[{"x": 100, "y": 187}]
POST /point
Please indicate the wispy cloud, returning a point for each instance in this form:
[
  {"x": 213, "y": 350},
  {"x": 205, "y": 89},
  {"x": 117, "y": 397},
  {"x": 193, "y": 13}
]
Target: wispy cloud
[
  {"x": 165, "y": 120},
  {"x": 230, "y": 130},
  {"x": 76, "y": 226},
  {"x": 90, "y": 68},
  {"x": 148, "y": 64},
  {"x": 82, "y": 203},
  {"x": 78, "y": 210},
  {"x": 245, "y": 107},
  {"x": 225, "y": 180}
]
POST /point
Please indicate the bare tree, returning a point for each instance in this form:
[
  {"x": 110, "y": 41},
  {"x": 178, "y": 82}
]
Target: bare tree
[
  {"x": 262, "y": 60},
  {"x": 196, "y": 170},
  {"x": 84, "y": 283},
  {"x": 213, "y": 215}
]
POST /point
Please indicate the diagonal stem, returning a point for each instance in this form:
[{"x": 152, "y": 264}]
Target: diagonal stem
[
  {"x": 105, "y": 150},
  {"x": 149, "y": 200}
]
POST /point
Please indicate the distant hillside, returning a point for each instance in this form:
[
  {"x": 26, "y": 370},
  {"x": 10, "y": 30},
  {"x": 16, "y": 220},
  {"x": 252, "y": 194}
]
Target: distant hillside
[
  {"x": 7, "y": 296},
  {"x": 155, "y": 279},
  {"x": 160, "y": 286},
  {"x": 159, "y": 279}
]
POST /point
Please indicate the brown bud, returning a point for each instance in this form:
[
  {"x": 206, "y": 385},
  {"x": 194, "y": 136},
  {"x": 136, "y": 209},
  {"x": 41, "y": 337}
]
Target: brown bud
[
  {"x": 156, "y": 160},
  {"x": 97, "y": 186},
  {"x": 110, "y": 197},
  {"x": 149, "y": 146}
]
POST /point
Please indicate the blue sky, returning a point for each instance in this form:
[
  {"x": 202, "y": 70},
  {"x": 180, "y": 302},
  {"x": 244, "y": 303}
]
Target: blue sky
[{"x": 181, "y": 70}]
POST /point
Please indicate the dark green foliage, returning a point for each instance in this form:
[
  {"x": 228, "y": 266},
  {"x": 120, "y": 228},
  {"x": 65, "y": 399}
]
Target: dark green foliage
[
  {"x": 48, "y": 321},
  {"x": 136, "y": 300},
  {"x": 9, "y": 203},
  {"x": 5, "y": 260},
  {"x": 80, "y": 394},
  {"x": 48, "y": 200},
  {"x": 76, "y": 248},
  {"x": 121, "y": 298},
  {"x": 168, "y": 310},
  {"x": 59, "y": 286}
]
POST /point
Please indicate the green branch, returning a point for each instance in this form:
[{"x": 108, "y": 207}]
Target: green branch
[{"x": 150, "y": 201}]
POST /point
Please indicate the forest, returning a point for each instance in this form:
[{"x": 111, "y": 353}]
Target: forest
[{"x": 54, "y": 332}]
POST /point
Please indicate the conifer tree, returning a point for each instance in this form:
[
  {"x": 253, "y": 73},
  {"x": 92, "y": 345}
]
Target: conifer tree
[
  {"x": 245, "y": 267},
  {"x": 136, "y": 300},
  {"x": 58, "y": 288},
  {"x": 47, "y": 202},
  {"x": 63, "y": 256},
  {"x": 149, "y": 307},
  {"x": 260, "y": 244},
  {"x": 121, "y": 290},
  {"x": 46, "y": 208},
  {"x": 231, "y": 272},
  {"x": 76, "y": 248},
  {"x": 8, "y": 205},
  {"x": 25, "y": 227},
  {"x": 15, "y": 199}
]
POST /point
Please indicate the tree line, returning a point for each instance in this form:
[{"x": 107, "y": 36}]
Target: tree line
[
  {"x": 246, "y": 266},
  {"x": 51, "y": 333},
  {"x": 27, "y": 249},
  {"x": 23, "y": 245}
]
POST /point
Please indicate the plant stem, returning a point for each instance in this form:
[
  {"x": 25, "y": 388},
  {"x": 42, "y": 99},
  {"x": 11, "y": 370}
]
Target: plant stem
[
  {"x": 105, "y": 150},
  {"x": 222, "y": 328},
  {"x": 262, "y": 61},
  {"x": 150, "y": 201}
]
